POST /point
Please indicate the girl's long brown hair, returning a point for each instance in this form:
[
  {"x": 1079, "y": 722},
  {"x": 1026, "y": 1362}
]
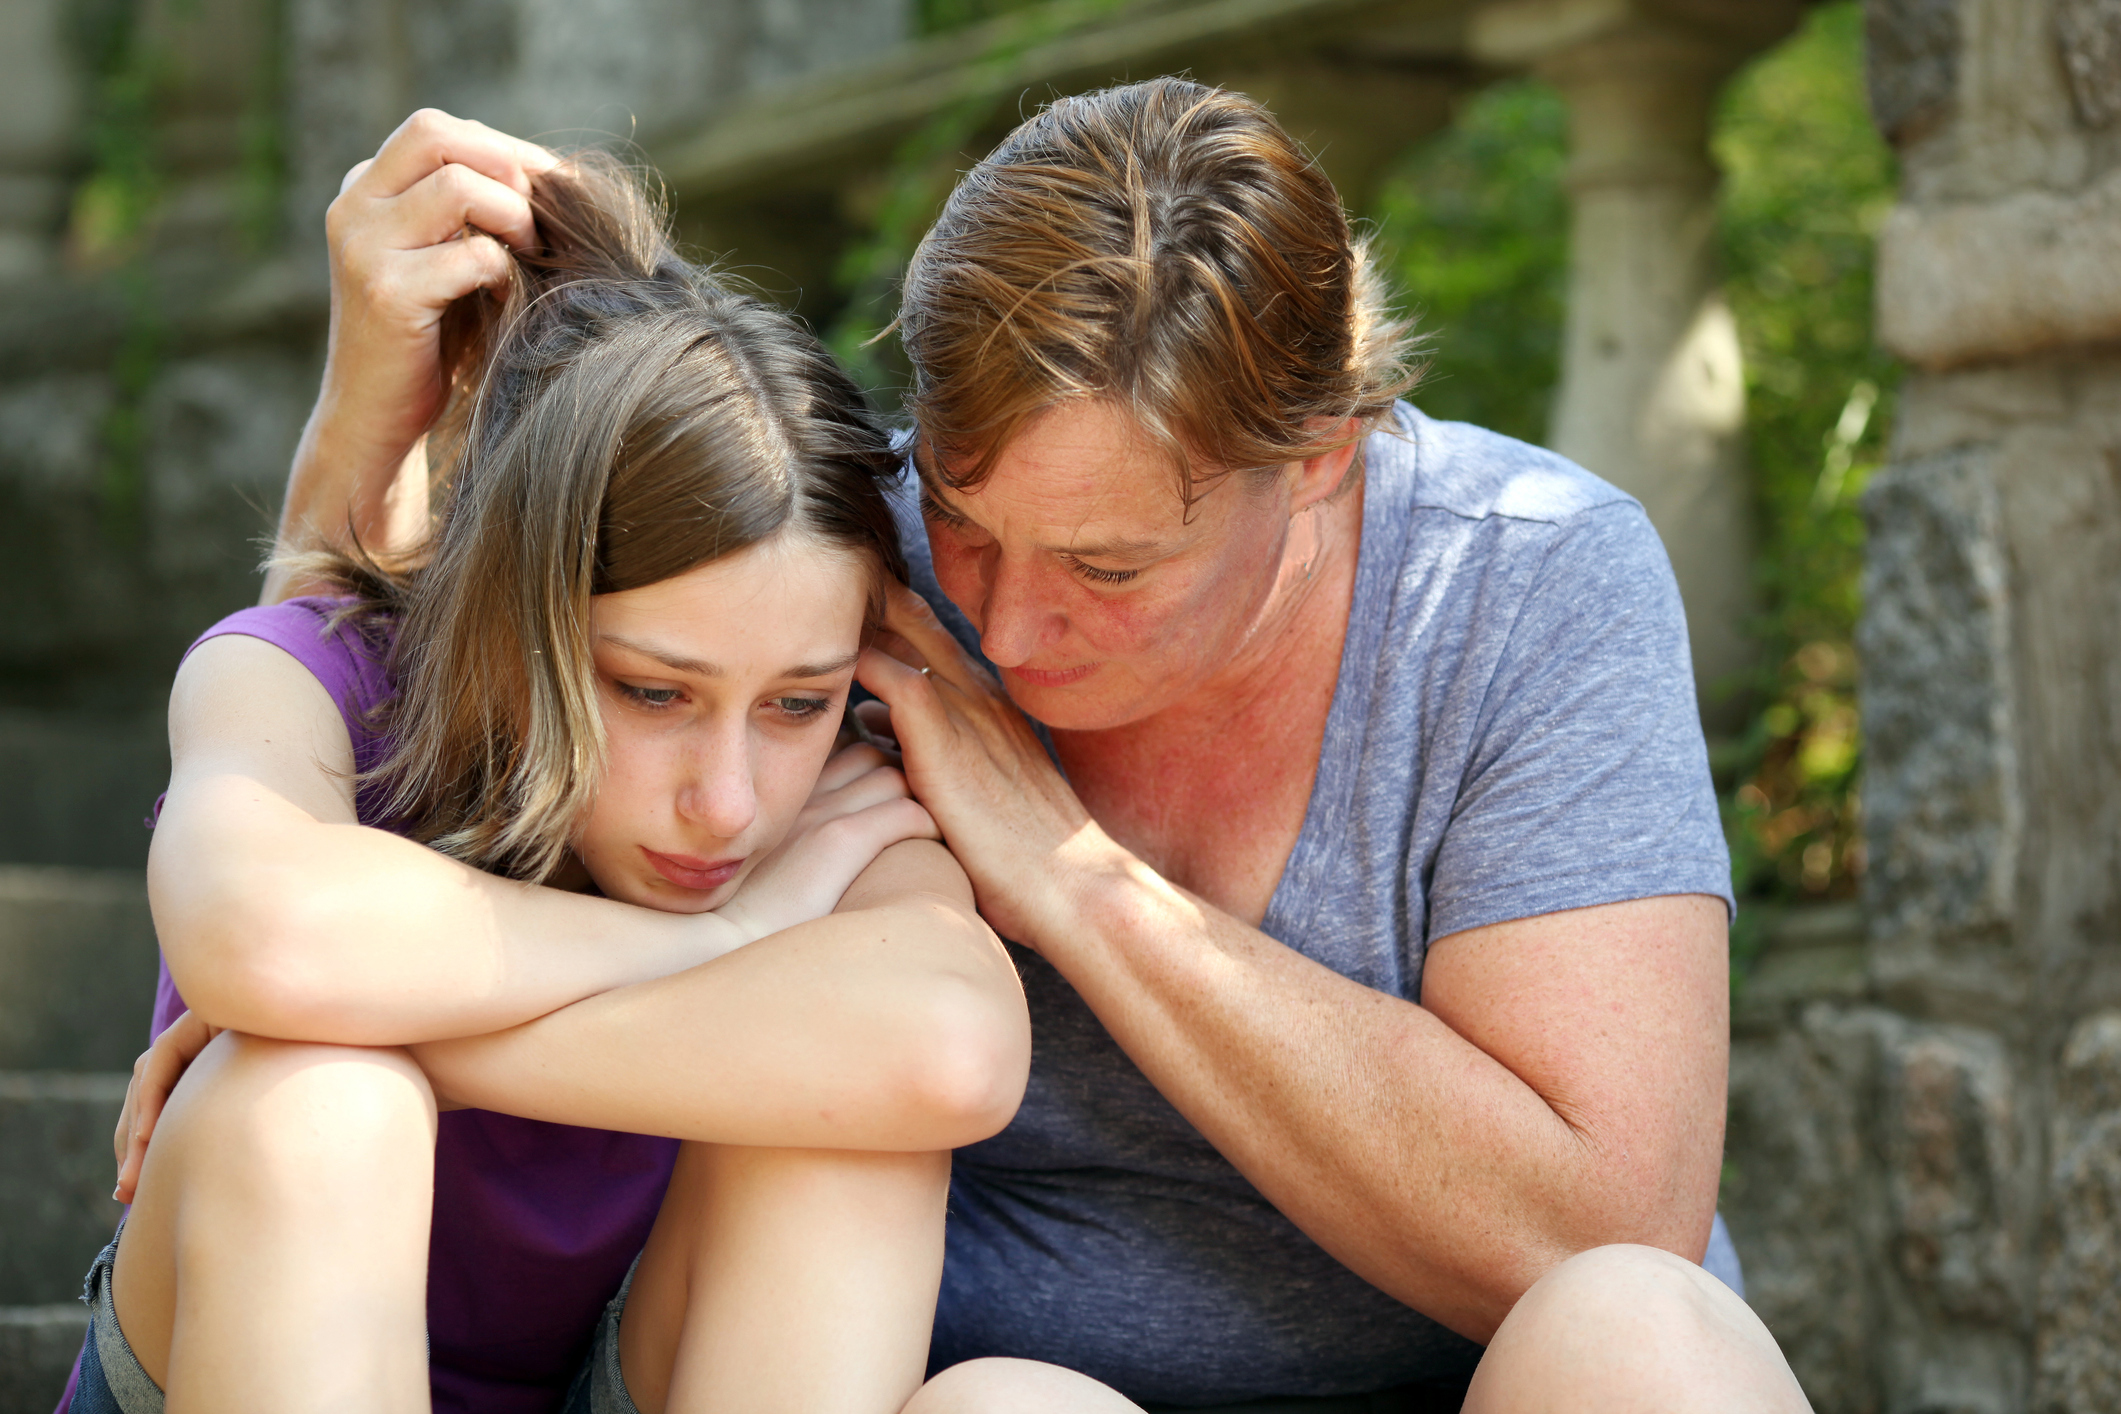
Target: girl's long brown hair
[{"x": 619, "y": 416}]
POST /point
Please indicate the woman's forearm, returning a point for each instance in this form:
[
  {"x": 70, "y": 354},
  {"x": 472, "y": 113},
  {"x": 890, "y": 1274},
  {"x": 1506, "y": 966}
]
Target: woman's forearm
[
  {"x": 1399, "y": 1136},
  {"x": 895, "y": 1024}
]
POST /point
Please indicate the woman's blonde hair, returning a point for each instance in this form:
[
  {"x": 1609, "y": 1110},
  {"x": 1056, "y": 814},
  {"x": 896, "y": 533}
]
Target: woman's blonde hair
[
  {"x": 619, "y": 416},
  {"x": 1165, "y": 245}
]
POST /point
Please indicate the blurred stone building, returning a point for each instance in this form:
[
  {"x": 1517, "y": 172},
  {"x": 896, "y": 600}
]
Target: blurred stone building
[{"x": 1925, "y": 1153}]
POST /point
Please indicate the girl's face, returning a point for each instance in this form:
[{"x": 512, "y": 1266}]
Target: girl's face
[{"x": 721, "y": 691}]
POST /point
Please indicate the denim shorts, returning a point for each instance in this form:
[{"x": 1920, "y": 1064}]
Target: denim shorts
[{"x": 113, "y": 1382}]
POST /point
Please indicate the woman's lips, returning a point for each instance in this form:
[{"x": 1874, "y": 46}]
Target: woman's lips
[
  {"x": 1039, "y": 677},
  {"x": 690, "y": 873}
]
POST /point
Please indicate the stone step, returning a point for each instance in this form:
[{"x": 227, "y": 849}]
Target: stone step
[
  {"x": 37, "y": 1349},
  {"x": 77, "y": 787},
  {"x": 77, "y": 967},
  {"x": 56, "y": 1173}
]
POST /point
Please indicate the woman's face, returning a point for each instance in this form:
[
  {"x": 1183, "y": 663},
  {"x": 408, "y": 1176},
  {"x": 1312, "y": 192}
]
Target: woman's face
[
  {"x": 721, "y": 692},
  {"x": 1098, "y": 597}
]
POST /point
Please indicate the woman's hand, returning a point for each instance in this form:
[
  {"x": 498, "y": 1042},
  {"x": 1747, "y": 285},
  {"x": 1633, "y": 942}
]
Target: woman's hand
[
  {"x": 975, "y": 762},
  {"x": 155, "y": 1074},
  {"x": 859, "y": 808},
  {"x": 424, "y": 222}
]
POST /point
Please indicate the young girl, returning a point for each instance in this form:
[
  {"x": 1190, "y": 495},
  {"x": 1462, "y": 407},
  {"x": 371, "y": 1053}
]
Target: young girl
[{"x": 518, "y": 897}]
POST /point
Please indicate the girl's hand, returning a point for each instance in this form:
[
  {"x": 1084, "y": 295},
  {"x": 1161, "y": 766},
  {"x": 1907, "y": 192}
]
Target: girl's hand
[
  {"x": 860, "y": 808},
  {"x": 155, "y": 1074},
  {"x": 1006, "y": 812}
]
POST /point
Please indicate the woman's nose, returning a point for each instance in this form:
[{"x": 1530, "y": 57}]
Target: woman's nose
[
  {"x": 718, "y": 792},
  {"x": 1019, "y": 615}
]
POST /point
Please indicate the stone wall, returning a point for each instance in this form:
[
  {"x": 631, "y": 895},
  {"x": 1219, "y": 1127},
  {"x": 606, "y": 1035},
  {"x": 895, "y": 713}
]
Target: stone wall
[{"x": 1926, "y": 1136}]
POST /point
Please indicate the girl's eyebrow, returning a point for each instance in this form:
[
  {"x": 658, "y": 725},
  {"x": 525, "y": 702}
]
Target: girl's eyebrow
[{"x": 698, "y": 667}]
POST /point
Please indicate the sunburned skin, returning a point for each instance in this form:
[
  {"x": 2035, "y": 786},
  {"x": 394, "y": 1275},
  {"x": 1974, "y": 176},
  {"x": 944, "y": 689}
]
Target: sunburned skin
[
  {"x": 1103, "y": 598},
  {"x": 721, "y": 691}
]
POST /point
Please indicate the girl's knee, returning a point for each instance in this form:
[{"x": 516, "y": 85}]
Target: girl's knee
[{"x": 300, "y": 1105}]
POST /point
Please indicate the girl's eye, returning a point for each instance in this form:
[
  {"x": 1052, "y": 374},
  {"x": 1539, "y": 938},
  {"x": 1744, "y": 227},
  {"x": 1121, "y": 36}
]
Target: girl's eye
[
  {"x": 649, "y": 696},
  {"x": 802, "y": 708},
  {"x": 1098, "y": 576}
]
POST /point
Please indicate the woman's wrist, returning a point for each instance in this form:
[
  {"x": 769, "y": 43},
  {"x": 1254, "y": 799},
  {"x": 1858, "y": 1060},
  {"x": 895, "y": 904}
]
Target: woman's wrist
[{"x": 1082, "y": 894}]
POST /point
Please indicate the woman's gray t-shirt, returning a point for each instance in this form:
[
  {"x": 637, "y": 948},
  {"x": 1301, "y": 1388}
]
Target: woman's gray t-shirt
[{"x": 1513, "y": 733}]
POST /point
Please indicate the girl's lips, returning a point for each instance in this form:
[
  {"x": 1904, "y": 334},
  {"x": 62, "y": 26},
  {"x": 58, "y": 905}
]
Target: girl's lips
[
  {"x": 690, "y": 873},
  {"x": 1038, "y": 677}
]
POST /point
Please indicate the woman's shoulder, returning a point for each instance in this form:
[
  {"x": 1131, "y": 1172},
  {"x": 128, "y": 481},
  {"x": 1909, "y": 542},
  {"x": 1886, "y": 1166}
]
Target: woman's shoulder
[{"x": 1476, "y": 474}]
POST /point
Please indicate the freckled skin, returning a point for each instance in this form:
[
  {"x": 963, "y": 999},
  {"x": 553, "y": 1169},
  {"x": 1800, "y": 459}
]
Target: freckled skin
[
  {"x": 717, "y": 766},
  {"x": 1194, "y": 737}
]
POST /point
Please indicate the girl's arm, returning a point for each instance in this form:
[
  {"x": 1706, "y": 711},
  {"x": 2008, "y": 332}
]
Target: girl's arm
[
  {"x": 897, "y": 1023},
  {"x": 282, "y": 917}
]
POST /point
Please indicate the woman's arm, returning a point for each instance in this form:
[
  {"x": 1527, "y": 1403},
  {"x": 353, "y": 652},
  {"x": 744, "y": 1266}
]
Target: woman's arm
[
  {"x": 897, "y": 1023},
  {"x": 1559, "y": 1087},
  {"x": 421, "y": 224}
]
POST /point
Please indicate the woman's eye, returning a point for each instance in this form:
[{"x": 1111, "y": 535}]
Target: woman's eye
[
  {"x": 1098, "y": 576},
  {"x": 802, "y": 708},
  {"x": 649, "y": 696}
]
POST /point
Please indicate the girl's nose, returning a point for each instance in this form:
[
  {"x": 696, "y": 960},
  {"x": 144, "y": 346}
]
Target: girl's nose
[{"x": 717, "y": 791}]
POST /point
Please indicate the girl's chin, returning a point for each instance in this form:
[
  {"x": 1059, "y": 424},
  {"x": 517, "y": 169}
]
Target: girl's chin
[{"x": 666, "y": 897}]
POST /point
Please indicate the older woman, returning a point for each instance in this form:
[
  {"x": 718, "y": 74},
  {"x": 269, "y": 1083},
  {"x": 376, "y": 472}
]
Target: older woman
[{"x": 1335, "y": 772}]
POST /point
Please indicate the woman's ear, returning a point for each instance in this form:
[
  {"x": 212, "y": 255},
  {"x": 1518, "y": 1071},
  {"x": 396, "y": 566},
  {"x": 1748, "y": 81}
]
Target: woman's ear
[{"x": 1320, "y": 478}]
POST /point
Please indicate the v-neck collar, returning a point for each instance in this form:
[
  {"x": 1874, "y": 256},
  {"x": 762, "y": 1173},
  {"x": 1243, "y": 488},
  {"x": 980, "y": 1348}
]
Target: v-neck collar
[{"x": 1388, "y": 489}]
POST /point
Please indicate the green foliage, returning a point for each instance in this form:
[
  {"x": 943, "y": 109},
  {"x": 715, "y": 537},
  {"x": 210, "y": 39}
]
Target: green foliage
[
  {"x": 113, "y": 204},
  {"x": 925, "y": 164},
  {"x": 1474, "y": 227},
  {"x": 110, "y": 225},
  {"x": 939, "y": 16},
  {"x": 1807, "y": 183}
]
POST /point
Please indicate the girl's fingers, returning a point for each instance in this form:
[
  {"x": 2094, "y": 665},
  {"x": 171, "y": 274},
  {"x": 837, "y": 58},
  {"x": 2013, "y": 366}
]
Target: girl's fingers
[
  {"x": 441, "y": 204},
  {"x": 122, "y": 1139},
  {"x": 355, "y": 173},
  {"x": 431, "y": 138},
  {"x": 876, "y": 716},
  {"x": 441, "y": 273},
  {"x": 870, "y": 788},
  {"x": 848, "y": 764}
]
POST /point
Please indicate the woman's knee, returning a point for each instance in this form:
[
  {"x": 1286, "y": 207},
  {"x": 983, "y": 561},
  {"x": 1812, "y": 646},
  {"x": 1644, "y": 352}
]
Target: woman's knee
[
  {"x": 1615, "y": 1323},
  {"x": 1018, "y": 1386}
]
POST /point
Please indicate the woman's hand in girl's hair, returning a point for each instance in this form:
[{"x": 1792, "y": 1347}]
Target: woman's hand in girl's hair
[
  {"x": 859, "y": 809},
  {"x": 427, "y": 220},
  {"x": 155, "y": 1074}
]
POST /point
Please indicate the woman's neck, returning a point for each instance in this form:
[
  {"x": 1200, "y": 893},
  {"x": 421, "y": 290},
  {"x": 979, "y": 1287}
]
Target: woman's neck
[{"x": 1211, "y": 791}]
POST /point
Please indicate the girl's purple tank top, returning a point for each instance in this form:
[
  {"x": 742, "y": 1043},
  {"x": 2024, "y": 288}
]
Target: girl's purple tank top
[{"x": 535, "y": 1224}]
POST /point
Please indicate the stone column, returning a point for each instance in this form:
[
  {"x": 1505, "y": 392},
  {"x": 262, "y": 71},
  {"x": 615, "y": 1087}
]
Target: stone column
[
  {"x": 1652, "y": 394},
  {"x": 1990, "y": 678},
  {"x": 39, "y": 133}
]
